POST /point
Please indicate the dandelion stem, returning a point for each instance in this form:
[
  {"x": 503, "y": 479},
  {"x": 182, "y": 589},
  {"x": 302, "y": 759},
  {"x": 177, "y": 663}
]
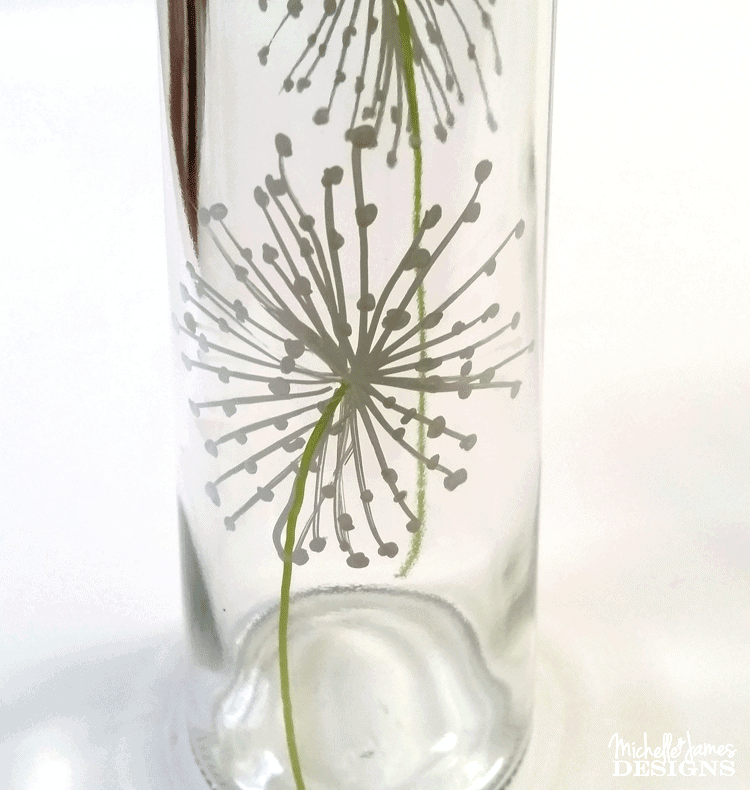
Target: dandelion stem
[
  {"x": 416, "y": 141},
  {"x": 286, "y": 579}
]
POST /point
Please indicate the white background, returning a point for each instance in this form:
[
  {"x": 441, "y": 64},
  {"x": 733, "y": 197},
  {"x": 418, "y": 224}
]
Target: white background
[{"x": 644, "y": 576}]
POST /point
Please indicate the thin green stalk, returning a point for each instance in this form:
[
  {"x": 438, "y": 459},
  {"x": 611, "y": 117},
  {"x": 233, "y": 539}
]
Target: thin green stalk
[
  {"x": 404, "y": 29},
  {"x": 286, "y": 578}
]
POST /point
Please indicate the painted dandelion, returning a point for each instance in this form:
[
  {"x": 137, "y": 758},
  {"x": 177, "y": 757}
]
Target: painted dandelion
[
  {"x": 313, "y": 343},
  {"x": 378, "y": 75}
]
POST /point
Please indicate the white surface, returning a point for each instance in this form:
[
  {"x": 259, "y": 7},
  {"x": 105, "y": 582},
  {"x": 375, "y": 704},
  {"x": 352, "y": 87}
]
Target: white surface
[{"x": 644, "y": 594}]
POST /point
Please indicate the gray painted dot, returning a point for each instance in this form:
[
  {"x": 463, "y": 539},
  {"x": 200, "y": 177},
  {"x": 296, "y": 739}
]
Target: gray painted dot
[
  {"x": 302, "y": 286},
  {"x": 436, "y": 427},
  {"x": 400, "y": 496},
  {"x": 413, "y": 525},
  {"x": 332, "y": 176},
  {"x": 213, "y": 494},
  {"x": 454, "y": 480},
  {"x": 357, "y": 560},
  {"x": 491, "y": 122},
  {"x": 270, "y": 254},
  {"x": 305, "y": 248},
  {"x": 520, "y": 228},
  {"x": 303, "y": 83},
  {"x": 486, "y": 376},
  {"x": 275, "y": 187},
  {"x": 441, "y": 133},
  {"x": 204, "y": 216},
  {"x": 458, "y": 327},
  {"x": 432, "y": 320},
  {"x": 261, "y": 198},
  {"x": 396, "y": 319},
  {"x": 251, "y": 467},
  {"x": 229, "y": 524},
  {"x": 342, "y": 328},
  {"x": 390, "y": 475},
  {"x": 203, "y": 343},
  {"x": 515, "y": 321},
  {"x": 515, "y": 388},
  {"x": 263, "y": 53},
  {"x": 388, "y": 550},
  {"x": 328, "y": 491},
  {"x": 294, "y": 444},
  {"x": 223, "y": 325},
  {"x": 464, "y": 389},
  {"x": 287, "y": 365},
  {"x": 366, "y": 496},
  {"x": 295, "y": 348},
  {"x": 266, "y": 494},
  {"x": 363, "y": 136},
  {"x": 432, "y": 217},
  {"x": 229, "y": 409},
  {"x": 247, "y": 254},
  {"x": 482, "y": 171},
  {"x": 219, "y": 211},
  {"x": 300, "y": 556},
  {"x": 366, "y": 215},
  {"x": 345, "y": 522},
  {"x": 211, "y": 447},
  {"x": 283, "y": 145},
  {"x": 409, "y": 416},
  {"x": 398, "y": 434},
  {"x": 240, "y": 310},
  {"x": 390, "y": 158},
  {"x": 306, "y": 222},
  {"x": 281, "y": 423},
  {"x": 194, "y": 408},
  {"x": 279, "y": 386},
  {"x": 466, "y": 368},
  {"x": 240, "y": 437},
  {"x": 367, "y": 303},
  {"x": 186, "y": 361},
  {"x": 416, "y": 259},
  {"x": 223, "y": 374},
  {"x": 432, "y": 463},
  {"x": 184, "y": 293},
  {"x": 490, "y": 312},
  {"x": 468, "y": 442},
  {"x": 471, "y": 212},
  {"x": 389, "y": 402},
  {"x": 317, "y": 544}
]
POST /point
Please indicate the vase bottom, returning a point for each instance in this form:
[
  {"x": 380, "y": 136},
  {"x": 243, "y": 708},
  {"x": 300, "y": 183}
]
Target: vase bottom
[{"x": 389, "y": 691}]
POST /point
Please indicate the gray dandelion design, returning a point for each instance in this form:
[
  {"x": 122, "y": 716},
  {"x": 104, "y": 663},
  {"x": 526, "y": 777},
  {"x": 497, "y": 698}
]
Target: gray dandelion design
[
  {"x": 380, "y": 75},
  {"x": 311, "y": 340}
]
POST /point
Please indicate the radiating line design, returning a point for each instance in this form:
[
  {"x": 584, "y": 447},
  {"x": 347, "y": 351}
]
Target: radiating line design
[
  {"x": 312, "y": 340},
  {"x": 375, "y": 67}
]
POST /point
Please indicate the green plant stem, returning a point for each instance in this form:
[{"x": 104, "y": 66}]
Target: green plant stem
[
  {"x": 404, "y": 29},
  {"x": 286, "y": 578}
]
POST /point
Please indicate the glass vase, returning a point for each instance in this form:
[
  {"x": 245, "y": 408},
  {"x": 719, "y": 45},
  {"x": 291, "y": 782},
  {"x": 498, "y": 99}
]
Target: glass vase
[{"x": 356, "y": 205}]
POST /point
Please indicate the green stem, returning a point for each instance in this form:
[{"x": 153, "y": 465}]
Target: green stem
[
  {"x": 286, "y": 578},
  {"x": 404, "y": 29}
]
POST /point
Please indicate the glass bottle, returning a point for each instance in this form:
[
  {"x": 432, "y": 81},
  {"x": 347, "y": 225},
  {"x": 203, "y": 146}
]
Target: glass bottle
[{"x": 356, "y": 205}]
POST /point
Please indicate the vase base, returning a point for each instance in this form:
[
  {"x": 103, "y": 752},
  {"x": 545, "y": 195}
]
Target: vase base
[{"x": 389, "y": 690}]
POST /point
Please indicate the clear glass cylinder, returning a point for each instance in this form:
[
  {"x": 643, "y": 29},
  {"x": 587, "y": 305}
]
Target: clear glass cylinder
[{"x": 356, "y": 204}]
